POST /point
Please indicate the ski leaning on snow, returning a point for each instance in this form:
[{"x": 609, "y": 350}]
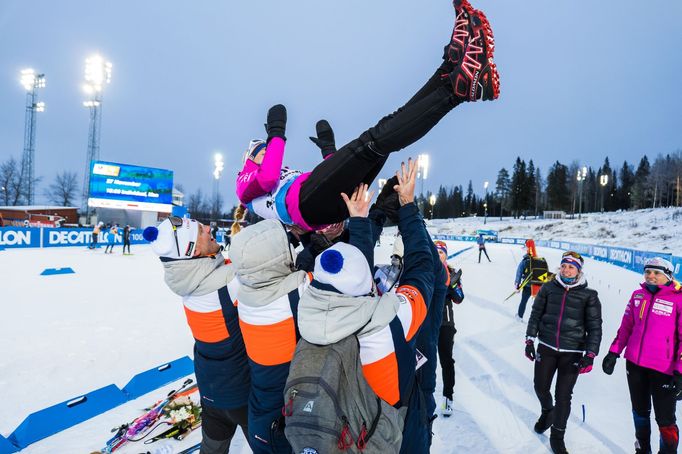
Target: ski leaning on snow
[
  {"x": 523, "y": 284},
  {"x": 137, "y": 429}
]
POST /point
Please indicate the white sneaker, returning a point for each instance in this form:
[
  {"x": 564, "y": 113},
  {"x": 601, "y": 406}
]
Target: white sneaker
[{"x": 447, "y": 407}]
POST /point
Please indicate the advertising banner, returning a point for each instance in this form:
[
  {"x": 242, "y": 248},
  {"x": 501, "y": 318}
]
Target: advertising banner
[
  {"x": 19, "y": 237},
  {"x": 124, "y": 186}
]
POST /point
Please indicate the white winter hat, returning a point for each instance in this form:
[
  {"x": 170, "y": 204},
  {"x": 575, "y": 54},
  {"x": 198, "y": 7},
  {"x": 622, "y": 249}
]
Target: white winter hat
[
  {"x": 660, "y": 264},
  {"x": 174, "y": 238},
  {"x": 345, "y": 268},
  {"x": 398, "y": 248}
]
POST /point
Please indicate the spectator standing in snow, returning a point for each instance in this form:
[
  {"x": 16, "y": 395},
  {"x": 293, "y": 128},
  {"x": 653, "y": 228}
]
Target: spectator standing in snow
[
  {"x": 481, "y": 247},
  {"x": 113, "y": 231},
  {"x": 651, "y": 335},
  {"x": 195, "y": 270},
  {"x": 126, "y": 239},
  {"x": 523, "y": 274},
  {"x": 446, "y": 335},
  {"x": 566, "y": 319},
  {"x": 95, "y": 234}
]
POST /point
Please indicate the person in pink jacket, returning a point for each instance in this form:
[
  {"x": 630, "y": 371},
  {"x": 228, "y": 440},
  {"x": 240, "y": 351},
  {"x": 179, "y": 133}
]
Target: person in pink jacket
[
  {"x": 312, "y": 200},
  {"x": 651, "y": 335}
]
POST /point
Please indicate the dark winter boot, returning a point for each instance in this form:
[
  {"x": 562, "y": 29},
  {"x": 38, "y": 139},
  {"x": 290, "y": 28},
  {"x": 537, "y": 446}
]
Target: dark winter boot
[
  {"x": 544, "y": 421},
  {"x": 325, "y": 138},
  {"x": 670, "y": 436},
  {"x": 556, "y": 441}
]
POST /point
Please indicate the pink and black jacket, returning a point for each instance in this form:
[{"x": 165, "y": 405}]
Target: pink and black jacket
[{"x": 651, "y": 329}]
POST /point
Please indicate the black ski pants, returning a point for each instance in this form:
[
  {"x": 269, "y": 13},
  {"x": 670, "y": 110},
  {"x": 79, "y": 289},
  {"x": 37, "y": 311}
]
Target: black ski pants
[
  {"x": 126, "y": 243},
  {"x": 218, "y": 427},
  {"x": 446, "y": 340},
  {"x": 361, "y": 160},
  {"x": 646, "y": 385},
  {"x": 549, "y": 362},
  {"x": 482, "y": 249}
]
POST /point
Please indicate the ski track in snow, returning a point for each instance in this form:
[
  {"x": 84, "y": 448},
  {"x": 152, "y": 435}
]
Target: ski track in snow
[{"x": 69, "y": 334}]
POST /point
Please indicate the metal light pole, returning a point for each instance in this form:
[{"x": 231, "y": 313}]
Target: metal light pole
[
  {"x": 218, "y": 166},
  {"x": 485, "y": 203},
  {"x": 603, "y": 181},
  {"x": 582, "y": 174},
  {"x": 422, "y": 173},
  {"x": 432, "y": 202},
  {"x": 30, "y": 81},
  {"x": 97, "y": 74}
]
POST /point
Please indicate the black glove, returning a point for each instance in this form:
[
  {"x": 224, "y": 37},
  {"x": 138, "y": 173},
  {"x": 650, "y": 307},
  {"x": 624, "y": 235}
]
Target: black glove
[
  {"x": 530, "y": 349},
  {"x": 609, "y": 362},
  {"x": 325, "y": 138},
  {"x": 387, "y": 201},
  {"x": 277, "y": 122},
  {"x": 677, "y": 385},
  {"x": 585, "y": 363}
]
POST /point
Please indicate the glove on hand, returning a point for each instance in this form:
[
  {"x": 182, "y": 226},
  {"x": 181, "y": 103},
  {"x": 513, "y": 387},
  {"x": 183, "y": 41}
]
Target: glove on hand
[
  {"x": 609, "y": 363},
  {"x": 387, "y": 201},
  {"x": 585, "y": 363},
  {"x": 677, "y": 385},
  {"x": 277, "y": 122},
  {"x": 325, "y": 138},
  {"x": 530, "y": 349}
]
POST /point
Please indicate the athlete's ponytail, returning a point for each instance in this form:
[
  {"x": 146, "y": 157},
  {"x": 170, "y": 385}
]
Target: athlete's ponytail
[{"x": 239, "y": 215}]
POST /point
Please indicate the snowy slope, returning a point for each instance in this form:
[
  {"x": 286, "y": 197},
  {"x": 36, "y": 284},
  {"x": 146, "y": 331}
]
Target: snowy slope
[
  {"x": 657, "y": 229},
  {"x": 69, "y": 334}
]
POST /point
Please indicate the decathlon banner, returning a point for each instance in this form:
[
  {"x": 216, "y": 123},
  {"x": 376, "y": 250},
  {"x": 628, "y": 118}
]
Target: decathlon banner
[
  {"x": 19, "y": 237},
  {"x": 83, "y": 237},
  {"x": 124, "y": 186}
]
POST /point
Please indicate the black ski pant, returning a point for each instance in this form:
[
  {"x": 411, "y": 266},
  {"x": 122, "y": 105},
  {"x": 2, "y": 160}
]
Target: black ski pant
[
  {"x": 646, "y": 385},
  {"x": 446, "y": 340},
  {"x": 218, "y": 427},
  {"x": 525, "y": 296},
  {"x": 549, "y": 362},
  {"x": 93, "y": 243},
  {"x": 361, "y": 160},
  {"x": 126, "y": 244},
  {"x": 485, "y": 252}
]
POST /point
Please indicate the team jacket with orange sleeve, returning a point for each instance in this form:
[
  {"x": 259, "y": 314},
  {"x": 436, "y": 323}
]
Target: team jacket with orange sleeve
[
  {"x": 268, "y": 296},
  {"x": 208, "y": 287},
  {"x": 388, "y": 324}
]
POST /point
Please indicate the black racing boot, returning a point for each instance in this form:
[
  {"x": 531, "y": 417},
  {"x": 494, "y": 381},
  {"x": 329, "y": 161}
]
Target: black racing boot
[
  {"x": 556, "y": 441},
  {"x": 544, "y": 421},
  {"x": 325, "y": 138}
]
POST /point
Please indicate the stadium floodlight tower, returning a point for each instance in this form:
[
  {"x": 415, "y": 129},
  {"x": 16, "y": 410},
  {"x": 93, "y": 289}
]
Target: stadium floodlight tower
[
  {"x": 97, "y": 74},
  {"x": 30, "y": 81}
]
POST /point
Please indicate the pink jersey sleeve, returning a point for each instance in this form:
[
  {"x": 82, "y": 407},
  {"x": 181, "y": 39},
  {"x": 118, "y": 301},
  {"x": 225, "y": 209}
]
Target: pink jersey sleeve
[
  {"x": 625, "y": 330},
  {"x": 257, "y": 180}
]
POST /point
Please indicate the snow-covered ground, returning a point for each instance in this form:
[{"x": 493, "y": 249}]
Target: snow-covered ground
[
  {"x": 658, "y": 230},
  {"x": 66, "y": 335}
]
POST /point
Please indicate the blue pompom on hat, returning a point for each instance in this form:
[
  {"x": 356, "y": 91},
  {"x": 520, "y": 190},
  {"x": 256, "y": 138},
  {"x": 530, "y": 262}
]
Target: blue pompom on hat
[
  {"x": 178, "y": 245},
  {"x": 345, "y": 268}
]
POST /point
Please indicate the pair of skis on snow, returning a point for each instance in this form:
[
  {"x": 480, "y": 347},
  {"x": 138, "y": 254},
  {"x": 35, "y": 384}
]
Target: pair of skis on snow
[{"x": 144, "y": 424}]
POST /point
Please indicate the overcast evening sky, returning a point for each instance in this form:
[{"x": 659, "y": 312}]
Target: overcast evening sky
[{"x": 580, "y": 81}]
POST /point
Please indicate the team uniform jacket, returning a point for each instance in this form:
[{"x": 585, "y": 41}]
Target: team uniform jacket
[
  {"x": 651, "y": 330},
  {"x": 268, "y": 304},
  {"x": 208, "y": 287},
  {"x": 388, "y": 324},
  {"x": 567, "y": 318}
]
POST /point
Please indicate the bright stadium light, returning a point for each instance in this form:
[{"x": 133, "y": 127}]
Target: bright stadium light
[
  {"x": 97, "y": 75},
  {"x": 31, "y": 82},
  {"x": 382, "y": 182},
  {"x": 218, "y": 165}
]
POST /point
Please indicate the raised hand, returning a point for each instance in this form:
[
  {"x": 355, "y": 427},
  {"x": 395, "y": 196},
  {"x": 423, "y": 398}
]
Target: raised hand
[
  {"x": 277, "y": 121},
  {"x": 407, "y": 177},
  {"x": 358, "y": 203}
]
